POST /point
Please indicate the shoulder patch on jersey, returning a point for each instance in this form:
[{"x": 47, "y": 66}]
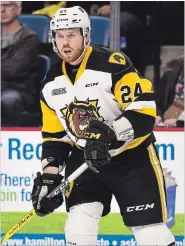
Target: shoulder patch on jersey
[{"x": 117, "y": 58}]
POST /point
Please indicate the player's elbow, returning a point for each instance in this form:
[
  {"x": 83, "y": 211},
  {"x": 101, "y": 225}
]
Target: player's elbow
[{"x": 142, "y": 123}]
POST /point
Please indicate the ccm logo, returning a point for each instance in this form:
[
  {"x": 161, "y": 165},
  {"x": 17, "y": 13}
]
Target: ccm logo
[
  {"x": 62, "y": 20},
  {"x": 140, "y": 207},
  {"x": 91, "y": 85}
]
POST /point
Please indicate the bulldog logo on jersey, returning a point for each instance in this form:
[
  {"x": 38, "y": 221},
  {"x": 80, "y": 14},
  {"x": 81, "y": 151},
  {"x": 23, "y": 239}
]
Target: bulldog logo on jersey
[{"x": 78, "y": 114}]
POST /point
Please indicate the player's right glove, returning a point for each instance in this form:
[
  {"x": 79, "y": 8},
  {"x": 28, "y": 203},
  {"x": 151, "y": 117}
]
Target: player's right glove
[{"x": 43, "y": 185}]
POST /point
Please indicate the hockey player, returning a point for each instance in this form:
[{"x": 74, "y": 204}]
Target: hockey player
[{"x": 97, "y": 108}]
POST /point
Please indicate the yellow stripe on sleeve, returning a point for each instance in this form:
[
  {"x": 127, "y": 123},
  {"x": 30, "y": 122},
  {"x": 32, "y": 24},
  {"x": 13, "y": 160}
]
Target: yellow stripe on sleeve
[
  {"x": 50, "y": 120},
  {"x": 58, "y": 140}
]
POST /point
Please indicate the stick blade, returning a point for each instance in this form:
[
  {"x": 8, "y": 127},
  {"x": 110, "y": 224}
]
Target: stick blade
[{"x": 16, "y": 227}]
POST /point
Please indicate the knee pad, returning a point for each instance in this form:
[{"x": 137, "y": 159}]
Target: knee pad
[
  {"x": 155, "y": 234},
  {"x": 82, "y": 224}
]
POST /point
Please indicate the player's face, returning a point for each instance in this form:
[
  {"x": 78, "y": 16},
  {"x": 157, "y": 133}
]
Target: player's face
[
  {"x": 9, "y": 12},
  {"x": 70, "y": 44}
]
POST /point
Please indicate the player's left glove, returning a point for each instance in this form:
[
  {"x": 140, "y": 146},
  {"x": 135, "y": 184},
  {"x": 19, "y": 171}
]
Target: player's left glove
[
  {"x": 97, "y": 130},
  {"x": 96, "y": 151}
]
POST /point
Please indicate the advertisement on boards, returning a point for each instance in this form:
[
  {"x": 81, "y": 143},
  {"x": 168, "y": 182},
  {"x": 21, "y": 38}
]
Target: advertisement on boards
[{"x": 20, "y": 160}]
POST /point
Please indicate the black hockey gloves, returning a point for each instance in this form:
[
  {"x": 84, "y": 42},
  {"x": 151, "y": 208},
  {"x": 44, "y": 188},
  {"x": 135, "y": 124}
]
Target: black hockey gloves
[
  {"x": 97, "y": 130},
  {"x": 43, "y": 185},
  {"x": 96, "y": 153},
  {"x": 96, "y": 149}
]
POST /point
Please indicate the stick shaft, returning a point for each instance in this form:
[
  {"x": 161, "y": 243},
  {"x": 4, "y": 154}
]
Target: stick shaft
[
  {"x": 67, "y": 181},
  {"x": 55, "y": 192},
  {"x": 77, "y": 173}
]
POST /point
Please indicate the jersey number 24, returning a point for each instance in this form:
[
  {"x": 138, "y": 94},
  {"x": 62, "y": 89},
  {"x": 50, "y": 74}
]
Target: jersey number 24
[{"x": 126, "y": 95}]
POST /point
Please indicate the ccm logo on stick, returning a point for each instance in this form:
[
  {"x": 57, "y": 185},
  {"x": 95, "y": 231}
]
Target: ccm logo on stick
[{"x": 140, "y": 207}]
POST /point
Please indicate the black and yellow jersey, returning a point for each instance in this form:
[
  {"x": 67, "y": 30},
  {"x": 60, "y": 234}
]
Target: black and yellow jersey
[{"x": 105, "y": 85}]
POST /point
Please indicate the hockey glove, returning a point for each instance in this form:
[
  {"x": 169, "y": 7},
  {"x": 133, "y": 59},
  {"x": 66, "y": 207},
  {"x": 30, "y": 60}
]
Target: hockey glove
[
  {"x": 97, "y": 130},
  {"x": 96, "y": 154},
  {"x": 96, "y": 151},
  {"x": 43, "y": 185}
]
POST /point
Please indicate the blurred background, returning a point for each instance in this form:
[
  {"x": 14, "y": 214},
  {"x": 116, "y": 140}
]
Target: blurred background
[{"x": 151, "y": 33}]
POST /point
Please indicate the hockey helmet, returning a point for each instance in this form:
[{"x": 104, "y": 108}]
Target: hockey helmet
[{"x": 74, "y": 17}]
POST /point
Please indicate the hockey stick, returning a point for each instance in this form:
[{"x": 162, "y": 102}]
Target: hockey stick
[{"x": 55, "y": 192}]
